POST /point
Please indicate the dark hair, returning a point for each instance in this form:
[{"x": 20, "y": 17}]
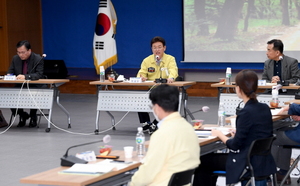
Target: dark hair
[
  {"x": 165, "y": 96},
  {"x": 277, "y": 44},
  {"x": 24, "y": 43},
  {"x": 158, "y": 39},
  {"x": 247, "y": 81}
]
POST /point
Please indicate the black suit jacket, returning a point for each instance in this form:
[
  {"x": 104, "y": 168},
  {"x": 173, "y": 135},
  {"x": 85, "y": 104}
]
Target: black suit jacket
[
  {"x": 253, "y": 122},
  {"x": 35, "y": 67},
  {"x": 289, "y": 70}
]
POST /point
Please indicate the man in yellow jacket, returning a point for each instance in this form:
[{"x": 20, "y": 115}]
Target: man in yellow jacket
[
  {"x": 156, "y": 66},
  {"x": 174, "y": 147}
]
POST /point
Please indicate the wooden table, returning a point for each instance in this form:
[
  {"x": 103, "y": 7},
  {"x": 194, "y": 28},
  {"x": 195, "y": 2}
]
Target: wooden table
[
  {"x": 133, "y": 101},
  {"x": 222, "y": 86},
  {"x": 33, "y": 98},
  {"x": 52, "y": 177}
]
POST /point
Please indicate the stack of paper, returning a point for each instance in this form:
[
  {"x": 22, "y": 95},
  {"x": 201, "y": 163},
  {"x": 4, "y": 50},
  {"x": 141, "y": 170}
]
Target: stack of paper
[{"x": 89, "y": 169}]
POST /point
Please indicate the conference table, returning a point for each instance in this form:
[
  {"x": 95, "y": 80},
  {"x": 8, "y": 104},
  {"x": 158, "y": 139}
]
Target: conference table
[
  {"x": 133, "y": 100},
  {"x": 115, "y": 177},
  {"x": 33, "y": 98}
]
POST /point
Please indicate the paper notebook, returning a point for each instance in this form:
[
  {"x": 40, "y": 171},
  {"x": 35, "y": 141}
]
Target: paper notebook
[{"x": 89, "y": 169}]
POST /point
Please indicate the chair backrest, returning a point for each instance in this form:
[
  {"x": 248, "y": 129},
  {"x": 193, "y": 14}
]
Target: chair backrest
[
  {"x": 260, "y": 147},
  {"x": 181, "y": 178}
]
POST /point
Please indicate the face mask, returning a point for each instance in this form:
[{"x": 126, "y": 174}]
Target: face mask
[{"x": 155, "y": 116}]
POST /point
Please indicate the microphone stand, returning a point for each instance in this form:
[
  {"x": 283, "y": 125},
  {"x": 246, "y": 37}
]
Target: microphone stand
[
  {"x": 161, "y": 80},
  {"x": 71, "y": 160}
]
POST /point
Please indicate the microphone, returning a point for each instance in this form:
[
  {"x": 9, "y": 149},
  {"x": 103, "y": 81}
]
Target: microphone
[
  {"x": 203, "y": 109},
  {"x": 68, "y": 161},
  {"x": 43, "y": 56},
  {"x": 238, "y": 108},
  {"x": 157, "y": 58}
]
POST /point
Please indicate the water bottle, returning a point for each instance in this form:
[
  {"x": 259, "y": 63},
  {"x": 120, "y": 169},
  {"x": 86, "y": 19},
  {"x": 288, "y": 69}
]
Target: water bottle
[
  {"x": 140, "y": 142},
  {"x": 102, "y": 74},
  {"x": 274, "y": 102},
  {"x": 228, "y": 76},
  {"x": 221, "y": 115}
]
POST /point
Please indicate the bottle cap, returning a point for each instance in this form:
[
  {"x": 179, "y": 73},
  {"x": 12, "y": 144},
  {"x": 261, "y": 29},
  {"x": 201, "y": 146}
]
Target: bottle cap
[
  {"x": 140, "y": 129},
  {"x": 228, "y": 70},
  {"x": 101, "y": 68}
]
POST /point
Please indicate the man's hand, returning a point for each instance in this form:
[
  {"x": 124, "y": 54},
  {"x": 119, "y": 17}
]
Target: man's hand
[
  {"x": 275, "y": 79},
  {"x": 170, "y": 80},
  {"x": 20, "y": 77},
  {"x": 143, "y": 78}
]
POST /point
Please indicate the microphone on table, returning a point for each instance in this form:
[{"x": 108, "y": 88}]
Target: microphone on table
[
  {"x": 160, "y": 80},
  {"x": 68, "y": 161},
  {"x": 203, "y": 109},
  {"x": 43, "y": 56}
]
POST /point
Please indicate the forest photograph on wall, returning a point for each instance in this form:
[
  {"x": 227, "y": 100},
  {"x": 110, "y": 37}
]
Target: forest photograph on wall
[{"x": 238, "y": 25}]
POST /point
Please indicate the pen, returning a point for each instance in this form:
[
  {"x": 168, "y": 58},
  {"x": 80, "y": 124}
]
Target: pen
[{"x": 121, "y": 161}]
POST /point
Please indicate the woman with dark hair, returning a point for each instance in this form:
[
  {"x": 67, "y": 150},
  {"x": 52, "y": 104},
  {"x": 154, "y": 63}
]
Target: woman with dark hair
[{"x": 253, "y": 122}]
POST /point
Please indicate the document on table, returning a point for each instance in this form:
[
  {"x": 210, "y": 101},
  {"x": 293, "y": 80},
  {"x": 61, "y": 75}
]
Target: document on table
[
  {"x": 90, "y": 169},
  {"x": 276, "y": 111},
  {"x": 96, "y": 168}
]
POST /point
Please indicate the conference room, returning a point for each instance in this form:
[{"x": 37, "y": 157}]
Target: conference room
[{"x": 65, "y": 31}]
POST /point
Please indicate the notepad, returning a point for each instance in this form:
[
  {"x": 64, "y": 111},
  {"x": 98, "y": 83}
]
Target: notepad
[
  {"x": 276, "y": 111},
  {"x": 89, "y": 169}
]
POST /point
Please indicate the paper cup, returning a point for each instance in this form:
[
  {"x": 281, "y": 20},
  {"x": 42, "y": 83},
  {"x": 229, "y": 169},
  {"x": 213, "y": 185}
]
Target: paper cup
[
  {"x": 128, "y": 151},
  {"x": 232, "y": 121}
]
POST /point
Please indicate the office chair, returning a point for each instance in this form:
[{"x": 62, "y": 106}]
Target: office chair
[
  {"x": 181, "y": 178},
  {"x": 295, "y": 163},
  {"x": 259, "y": 147}
]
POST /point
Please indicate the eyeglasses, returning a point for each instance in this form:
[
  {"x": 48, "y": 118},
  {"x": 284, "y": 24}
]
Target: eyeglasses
[
  {"x": 21, "y": 53},
  {"x": 157, "y": 48},
  {"x": 151, "y": 106}
]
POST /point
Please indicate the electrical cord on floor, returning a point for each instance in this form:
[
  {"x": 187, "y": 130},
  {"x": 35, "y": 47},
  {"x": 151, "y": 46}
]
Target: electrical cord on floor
[
  {"x": 64, "y": 130},
  {"x": 16, "y": 113}
]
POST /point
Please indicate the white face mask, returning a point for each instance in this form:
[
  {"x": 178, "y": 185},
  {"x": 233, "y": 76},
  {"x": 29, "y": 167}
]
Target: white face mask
[{"x": 155, "y": 116}]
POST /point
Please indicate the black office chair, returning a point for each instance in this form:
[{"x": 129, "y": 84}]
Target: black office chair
[
  {"x": 260, "y": 147},
  {"x": 181, "y": 178},
  {"x": 295, "y": 163}
]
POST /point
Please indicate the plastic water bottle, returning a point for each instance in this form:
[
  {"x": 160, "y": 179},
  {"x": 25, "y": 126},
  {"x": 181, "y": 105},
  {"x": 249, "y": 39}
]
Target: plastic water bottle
[
  {"x": 228, "y": 76},
  {"x": 102, "y": 74},
  {"x": 274, "y": 102},
  {"x": 221, "y": 115},
  {"x": 140, "y": 142}
]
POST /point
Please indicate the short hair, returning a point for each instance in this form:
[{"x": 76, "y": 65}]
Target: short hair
[
  {"x": 158, "y": 39},
  {"x": 247, "y": 81},
  {"x": 24, "y": 43},
  {"x": 165, "y": 96},
  {"x": 277, "y": 44}
]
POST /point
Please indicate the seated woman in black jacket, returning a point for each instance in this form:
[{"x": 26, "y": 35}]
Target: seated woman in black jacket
[{"x": 253, "y": 122}]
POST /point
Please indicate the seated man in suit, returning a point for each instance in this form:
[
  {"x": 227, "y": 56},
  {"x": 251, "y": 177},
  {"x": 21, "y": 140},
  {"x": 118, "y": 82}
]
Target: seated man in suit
[
  {"x": 279, "y": 67},
  {"x": 152, "y": 68},
  {"x": 174, "y": 147},
  {"x": 26, "y": 65}
]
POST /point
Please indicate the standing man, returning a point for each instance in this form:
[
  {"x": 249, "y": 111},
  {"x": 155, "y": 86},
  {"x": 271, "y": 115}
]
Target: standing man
[
  {"x": 174, "y": 147},
  {"x": 279, "y": 67},
  {"x": 26, "y": 65},
  {"x": 158, "y": 65}
]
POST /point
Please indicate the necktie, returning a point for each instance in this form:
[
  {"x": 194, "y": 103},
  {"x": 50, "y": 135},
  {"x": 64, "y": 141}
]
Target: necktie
[{"x": 25, "y": 67}]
